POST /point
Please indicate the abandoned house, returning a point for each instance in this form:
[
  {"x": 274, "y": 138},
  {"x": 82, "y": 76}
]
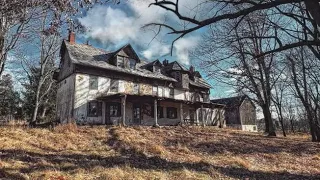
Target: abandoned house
[
  {"x": 101, "y": 87},
  {"x": 240, "y": 112}
]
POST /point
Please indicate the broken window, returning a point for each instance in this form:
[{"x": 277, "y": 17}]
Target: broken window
[
  {"x": 94, "y": 109},
  {"x": 115, "y": 110},
  {"x": 172, "y": 113},
  {"x": 114, "y": 85},
  {"x": 93, "y": 82},
  {"x": 177, "y": 76}
]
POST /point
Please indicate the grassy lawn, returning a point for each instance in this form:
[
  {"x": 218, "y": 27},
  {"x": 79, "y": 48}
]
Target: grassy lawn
[{"x": 71, "y": 152}]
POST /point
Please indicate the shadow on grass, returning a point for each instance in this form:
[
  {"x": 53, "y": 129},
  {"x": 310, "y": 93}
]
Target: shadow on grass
[{"x": 129, "y": 156}]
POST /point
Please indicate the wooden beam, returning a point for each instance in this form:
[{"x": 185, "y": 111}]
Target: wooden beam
[
  {"x": 123, "y": 110},
  {"x": 155, "y": 113},
  {"x": 181, "y": 113},
  {"x": 202, "y": 116}
]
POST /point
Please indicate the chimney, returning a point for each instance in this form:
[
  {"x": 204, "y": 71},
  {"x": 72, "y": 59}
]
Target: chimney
[
  {"x": 165, "y": 62},
  {"x": 72, "y": 37},
  {"x": 191, "y": 69}
]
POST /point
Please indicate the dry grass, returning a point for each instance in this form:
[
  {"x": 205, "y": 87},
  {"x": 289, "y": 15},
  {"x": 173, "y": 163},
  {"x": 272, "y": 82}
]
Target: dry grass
[{"x": 71, "y": 152}]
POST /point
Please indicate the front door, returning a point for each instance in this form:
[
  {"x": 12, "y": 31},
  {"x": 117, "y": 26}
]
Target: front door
[{"x": 137, "y": 114}]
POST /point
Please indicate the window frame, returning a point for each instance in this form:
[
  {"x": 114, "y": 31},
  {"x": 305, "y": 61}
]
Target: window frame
[
  {"x": 114, "y": 85},
  {"x": 98, "y": 111},
  {"x": 118, "y": 106},
  {"x": 171, "y": 92},
  {"x": 120, "y": 61},
  {"x": 96, "y": 82},
  {"x": 130, "y": 63},
  {"x": 175, "y": 112}
]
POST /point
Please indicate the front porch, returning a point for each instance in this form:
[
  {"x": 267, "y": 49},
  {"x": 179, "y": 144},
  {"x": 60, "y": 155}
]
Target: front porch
[{"x": 149, "y": 111}]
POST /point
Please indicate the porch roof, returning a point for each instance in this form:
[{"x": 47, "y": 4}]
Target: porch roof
[{"x": 151, "y": 98}]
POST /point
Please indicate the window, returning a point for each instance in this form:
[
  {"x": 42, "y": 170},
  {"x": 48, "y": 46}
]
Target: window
[
  {"x": 177, "y": 76},
  {"x": 172, "y": 113},
  {"x": 160, "y": 112},
  {"x": 114, "y": 85},
  {"x": 115, "y": 110},
  {"x": 171, "y": 93},
  {"x": 136, "y": 88},
  {"x": 120, "y": 61},
  {"x": 132, "y": 63},
  {"x": 94, "y": 109},
  {"x": 154, "y": 90},
  {"x": 93, "y": 82}
]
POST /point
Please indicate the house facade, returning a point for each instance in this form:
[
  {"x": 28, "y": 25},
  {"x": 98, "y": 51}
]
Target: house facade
[
  {"x": 240, "y": 112},
  {"x": 102, "y": 87}
]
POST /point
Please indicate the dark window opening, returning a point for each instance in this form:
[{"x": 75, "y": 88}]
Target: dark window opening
[
  {"x": 159, "y": 113},
  {"x": 172, "y": 113},
  {"x": 171, "y": 93},
  {"x": 132, "y": 63},
  {"x": 93, "y": 82},
  {"x": 115, "y": 110},
  {"x": 94, "y": 109}
]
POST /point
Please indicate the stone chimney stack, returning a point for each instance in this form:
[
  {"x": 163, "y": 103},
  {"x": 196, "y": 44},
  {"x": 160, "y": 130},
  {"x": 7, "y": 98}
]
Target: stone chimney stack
[{"x": 72, "y": 37}]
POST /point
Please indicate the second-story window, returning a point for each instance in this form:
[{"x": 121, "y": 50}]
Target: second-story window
[
  {"x": 177, "y": 76},
  {"x": 120, "y": 61},
  {"x": 154, "y": 90},
  {"x": 114, "y": 85},
  {"x": 93, "y": 82},
  {"x": 136, "y": 88},
  {"x": 171, "y": 93},
  {"x": 132, "y": 63}
]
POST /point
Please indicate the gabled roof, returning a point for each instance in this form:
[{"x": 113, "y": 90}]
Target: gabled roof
[
  {"x": 199, "y": 82},
  {"x": 87, "y": 55},
  {"x": 175, "y": 66},
  {"x": 231, "y": 102},
  {"x": 153, "y": 63},
  {"x": 127, "y": 47}
]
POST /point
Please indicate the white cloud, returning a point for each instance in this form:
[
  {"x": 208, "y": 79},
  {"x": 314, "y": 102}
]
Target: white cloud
[
  {"x": 183, "y": 46},
  {"x": 115, "y": 27}
]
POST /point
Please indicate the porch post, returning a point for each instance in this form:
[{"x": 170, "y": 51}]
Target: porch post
[
  {"x": 123, "y": 109},
  {"x": 197, "y": 116},
  {"x": 181, "y": 113},
  {"x": 202, "y": 117},
  {"x": 155, "y": 113}
]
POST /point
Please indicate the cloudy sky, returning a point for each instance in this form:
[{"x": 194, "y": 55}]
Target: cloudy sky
[{"x": 114, "y": 26}]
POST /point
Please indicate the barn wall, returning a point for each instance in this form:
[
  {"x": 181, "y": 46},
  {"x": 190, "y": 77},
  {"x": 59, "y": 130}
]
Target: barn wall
[
  {"x": 65, "y": 99},
  {"x": 247, "y": 113}
]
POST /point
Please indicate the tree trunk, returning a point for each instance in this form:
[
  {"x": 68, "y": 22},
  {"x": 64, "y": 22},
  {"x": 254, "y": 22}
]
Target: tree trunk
[
  {"x": 267, "y": 116},
  {"x": 281, "y": 122},
  {"x": 292, "y": 126},
  {"x": 36, "y": 107}
]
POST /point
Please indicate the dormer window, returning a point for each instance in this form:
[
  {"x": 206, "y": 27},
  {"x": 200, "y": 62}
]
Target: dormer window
[
  {"x": 132, "y": 63},
  {"x": 120, "y": 61}
]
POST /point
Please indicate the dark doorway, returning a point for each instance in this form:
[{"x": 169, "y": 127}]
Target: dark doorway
[
  {"x": 113, "y": 109},
  {"x": 137, "y": 114}
]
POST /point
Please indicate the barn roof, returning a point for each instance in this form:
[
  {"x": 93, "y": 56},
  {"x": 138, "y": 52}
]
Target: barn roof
[{"x": 231, "y": 101}]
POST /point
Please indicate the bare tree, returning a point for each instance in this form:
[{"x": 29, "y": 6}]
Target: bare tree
[{"x": 237, "y": 10}]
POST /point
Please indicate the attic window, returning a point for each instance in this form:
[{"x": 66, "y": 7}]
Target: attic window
[
  {"x": 132, "y": 63},
  {"x": 120, "y": 61},
  {"x": 177, "y": 76}
]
